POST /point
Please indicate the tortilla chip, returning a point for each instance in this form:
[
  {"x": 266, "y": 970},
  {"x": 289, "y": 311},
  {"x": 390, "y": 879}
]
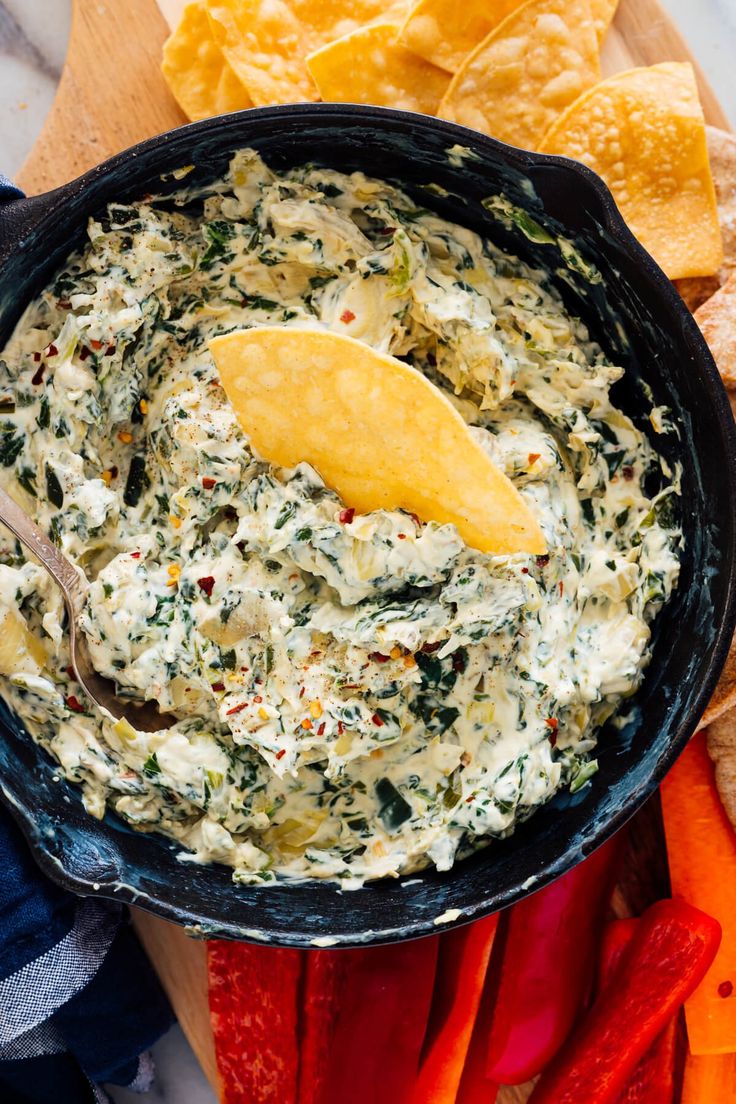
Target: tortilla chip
[
  {"x": 722, "y": 156},
  {"x": 378, "y": 432},
  {"x": 697, "y": 290},
  {"x": 724, "y": 695},
  {"x": 370, "y": 66},
  {"x": 195, "y": 70},
  {"x": 535, "y": 63},
  {"x": 721, "y": 742},
  {"x": 443, "y": 32},
  {"x": 603, "y": 12},
  {"x": 267, "y": 41},
  {"x": 717, "y": 320},
  {"x": 643, "y": 131}
]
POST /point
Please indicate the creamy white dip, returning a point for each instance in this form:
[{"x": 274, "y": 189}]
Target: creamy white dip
[{"x": 357, "y": 696}]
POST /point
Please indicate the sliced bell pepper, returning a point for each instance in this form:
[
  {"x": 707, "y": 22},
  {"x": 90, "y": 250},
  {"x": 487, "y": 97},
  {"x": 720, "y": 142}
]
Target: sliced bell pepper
[
  {"x": 547, "y": 967},
  {"x": 668, "y": 956},
  {"x": 464, "y": 955},
  {"x": 365, "y": 1017},
  {"x": 709, "y": 1079},
  {"x": 475, "y": 1086},
  {"x": 653, "y": 1080},
  {"x": 701, "y": 850},
  {"x": 254, "y": 995}
]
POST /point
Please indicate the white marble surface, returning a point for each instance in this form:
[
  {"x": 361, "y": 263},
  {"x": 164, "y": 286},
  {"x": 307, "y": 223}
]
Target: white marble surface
[{"x": 33, "y": 36}]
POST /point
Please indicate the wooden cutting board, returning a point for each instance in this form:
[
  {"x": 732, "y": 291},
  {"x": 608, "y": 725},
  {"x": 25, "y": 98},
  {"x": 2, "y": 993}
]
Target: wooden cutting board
[{"x": 111, "y": 96}]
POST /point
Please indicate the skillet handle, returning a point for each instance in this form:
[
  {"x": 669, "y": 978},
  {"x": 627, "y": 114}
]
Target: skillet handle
[
  {"x": 8, "y": 190},
  {"x": 18, "y": 216}
]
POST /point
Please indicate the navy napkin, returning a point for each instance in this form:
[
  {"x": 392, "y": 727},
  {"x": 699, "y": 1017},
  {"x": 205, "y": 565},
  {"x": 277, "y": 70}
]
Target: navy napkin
[{"x": 79, "y": 1002}]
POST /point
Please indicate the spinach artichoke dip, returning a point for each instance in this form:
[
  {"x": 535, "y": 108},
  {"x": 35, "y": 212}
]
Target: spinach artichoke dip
[{"x": 356, "y": 696}]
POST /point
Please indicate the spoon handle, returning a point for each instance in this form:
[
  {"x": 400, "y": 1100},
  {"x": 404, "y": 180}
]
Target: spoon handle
[{"x": 72, "y": 584}]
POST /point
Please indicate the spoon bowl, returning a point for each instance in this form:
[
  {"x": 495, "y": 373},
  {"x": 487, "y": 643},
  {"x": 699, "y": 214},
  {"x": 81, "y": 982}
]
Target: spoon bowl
[{"x": 73, "y": 586}]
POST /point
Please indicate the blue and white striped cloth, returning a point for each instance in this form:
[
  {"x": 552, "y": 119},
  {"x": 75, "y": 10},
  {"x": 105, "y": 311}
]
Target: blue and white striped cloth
[{"x": 79, "y": 1003}]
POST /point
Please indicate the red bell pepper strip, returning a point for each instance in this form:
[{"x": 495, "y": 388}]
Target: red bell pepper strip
[
  {"x": 653, "y": 1080},
  {"x": 464, "y": 955},
  {"x": 669, "y": 955},
  {"x": 548, "y": 967},
  {"x": 366, "y": 1015},
  {"x": 475, "y": 1086},
  {"x": 254, "y": 1009},
  {"x": 323, "y": 978}
]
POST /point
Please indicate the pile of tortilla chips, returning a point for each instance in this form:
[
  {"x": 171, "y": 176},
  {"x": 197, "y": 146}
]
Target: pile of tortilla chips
[{"x": 525, "y": 72}]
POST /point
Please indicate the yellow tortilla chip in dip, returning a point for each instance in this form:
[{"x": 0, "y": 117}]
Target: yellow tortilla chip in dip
[
  {"x": 643, "y": 131},
  {"x": 528, "y": 70},
  {"x": 195, "y": 70},
  {"x": 266, "y": 41},
  {"x": 371, "y": 66},
  {"x": 377, "y": 431}
]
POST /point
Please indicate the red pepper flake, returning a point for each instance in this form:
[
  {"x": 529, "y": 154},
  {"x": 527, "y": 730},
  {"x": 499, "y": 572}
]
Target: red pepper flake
[
  {"x": 63, "y": 304},
  {"x": 552, "y": 724},
  {"x": 725, "y": 989},
  {"x": 70, "y": 673},
  {"x": 280, "y": 754},
  {"x": 458, "y": 662},
  {"x": 347, "y": 316},
  {"x": 36, "y": 357},
  {"x": 525, "y": 571},
  {"x": 51, "y": 350},
  {"x": 377, "y": 720},
  {"x": 561, "y": 587},
  {"x": 321, "y": 729},
  {"x": 533, "y": 457},
  {"x": 542, "y": 561},
  {"x": 301, "y": 692},
  {"x": 218, "y": 687},
  {"x": 85, "y": 352},
  {"x": 96, "y": 345},
  {"x": 208, "y": 482},
  {"x": 378, "y": 657},
  {"x": 206, "y": 584},
  {"x": 401, "y": 536},
  {"x": 429, "y": 648},
  {"x": 110, "y": 350},
  {"x": 416, "y": 519},
  {"x": 236, "y": 709},
  {"x": 114, "y": 471},
  {"x": 135, "y": 555},
  {"x": 627, "y": 472},
  {"x": 38, "y": 375},
  {"x": 346, "y": 516},
  {"x": 258, "y": 699},
  {"x": 340, "y": 728},
  {"x": 74, "y": 704}
]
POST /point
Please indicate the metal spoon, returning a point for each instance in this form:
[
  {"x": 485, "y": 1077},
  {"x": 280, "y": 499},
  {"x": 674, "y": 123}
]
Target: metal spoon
[{"x": 73, "y": 586}]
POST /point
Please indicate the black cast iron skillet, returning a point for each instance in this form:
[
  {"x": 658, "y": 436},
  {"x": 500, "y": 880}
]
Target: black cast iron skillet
[{"x": 638, "y": 318}]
